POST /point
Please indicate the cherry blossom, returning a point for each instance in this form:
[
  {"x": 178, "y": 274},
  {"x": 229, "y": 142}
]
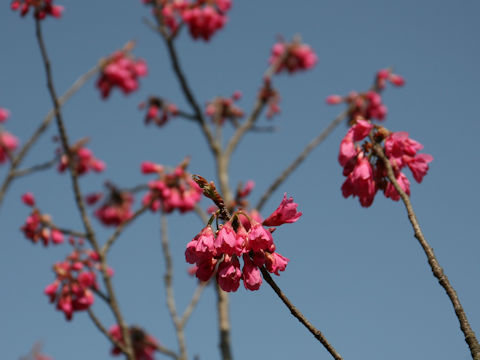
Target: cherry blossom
[
  {"x": 8, "y": 144},
  {"x": 83, "y": 159},
  {"x": 292, "y": 57},
  {"x": 158, "y": 111},
  {"x": 144, "y": 345},
  {"x": 41, "y": 8}
]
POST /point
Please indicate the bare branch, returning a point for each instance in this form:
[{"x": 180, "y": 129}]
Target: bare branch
[
  {"x": 35, "y": 168},
  {"x": 104, "y": 331},
  {"x": 470, "y": 337},
  {"x": 193, "y": 303}
]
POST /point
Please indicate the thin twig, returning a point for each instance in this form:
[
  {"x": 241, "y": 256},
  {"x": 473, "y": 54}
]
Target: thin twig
[
  {"x": 35, "y": 168},
  {"x": 295, "y": 312},
  {"x": 300, "y": 158},
  {"x": 163, "y": 350},
  {"x": 470, "y": 337},
  {"x": 169, "y": 288},
  {"x": 104, "y": 331},
  {"x": 120, "y": 228},
  {"x": 224, "y": 323},
  {"x": 193, "y": 303},
  {"x": 90, "y": 235}
]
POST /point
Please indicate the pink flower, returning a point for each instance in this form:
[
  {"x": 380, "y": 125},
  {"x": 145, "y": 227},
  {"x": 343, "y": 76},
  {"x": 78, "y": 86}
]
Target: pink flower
[
  {"x": 285, "y": 213},
  {"x": 334, "y": 99},
  {"x": 361, "y": 129},
  {"x": 204, "y": 21},
  {"x": 229, "y": 274},
  {"x": 116, "y": 209},
  {"x": 83, "y": 159},
  {"x": 144, "y": 345},
  {"x": 347, "y": 149},
  {"x": 57, "y": 236},
  {"x": 226, "y": 240},
  {"x": 292, "y": 57},
  {"x": 392, "y": 193},
  {"x": 397, "y": 145},
  {"x": 274, "y": 262},
  {"x": 221, "y": 109},
  {"x": 260, "y": 238},
  {"x": 159, "y": 111},
  {"x": 252, "y": 280},
  {"x": 360, "y": 182},
  {"x": 8, "y": 144},
  {"x": 419, "y": 166},
  {"x": 4, "y": 115},
  {"x": 28, "y": 199}
]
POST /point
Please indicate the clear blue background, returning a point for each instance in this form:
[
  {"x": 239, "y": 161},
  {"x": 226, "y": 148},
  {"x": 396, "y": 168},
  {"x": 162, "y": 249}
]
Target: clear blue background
[{"x": 358, "y": 274}]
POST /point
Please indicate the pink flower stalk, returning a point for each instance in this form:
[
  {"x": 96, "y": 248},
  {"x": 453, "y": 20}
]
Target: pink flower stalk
[
  {"x": 4, "y": 115},
  {"x": 144, "y": 345},
  {"x": 41, "y": 8},
  {"x": 243, "y": 237},
  {"x": 292, "y": 57},
  {"x": 122, "y": 71},
  {"x": 366, "y": 174},
  {"x": 116, "y": 209},
  {"x": 83, "y": 159},
  {"x": 285, "y": 213},
  {"x": 75, "y": 281},
  {"x": 221, "y": 109},
  {"x": 8, "y": 144},
  {"x": 175, "y": 190}
]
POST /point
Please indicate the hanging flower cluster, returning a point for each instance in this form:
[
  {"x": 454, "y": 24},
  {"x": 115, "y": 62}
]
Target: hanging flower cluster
[
  {"x": 221, "y": 109},
  {"x": 41, "y": 8},
  {"x": 120, "y": 70},
  {"x": 39, "y": 226},
  {"x": 116, "y": 209},
  {"x": 203, "y": 17},
  {"x": 158, "y": 110},
  {"x": 292, "y": 57},
  {"x": 83, "y": 159},
  {"x": 366, "y": 174},
  {"x": 368, "y": 105},
  {"x": 270, "y": 97},
  {"x": 144, "y": 345},
  {"x": 170, "y": 191},
  {"x": 75, "y": 281},
  {"x": 240, "y": 237}
]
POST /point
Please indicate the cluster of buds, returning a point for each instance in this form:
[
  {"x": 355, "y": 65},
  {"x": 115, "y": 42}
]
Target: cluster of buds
[
  {"x": 41, "y": 8},
  {"x": 116, "y": 209},
  {"x": 83, "y": 159},
  {"x": 292, "y": 57},
  {"x": 368, "y": 105},
  {"x": 240, "y": 237},
  {"x": 270, "y": 97},
  {"x": 158, "y": 110},
  {"x": 221, "y": 109},
  {"x": 173, "y": 190},
  {"x": 39, "y": 226},
  {"x": 144, "y": 345},
  {"x": 366, "y": 173},
  {"x": 75, "y": 281},
  {"x": 120, "y": 70}
]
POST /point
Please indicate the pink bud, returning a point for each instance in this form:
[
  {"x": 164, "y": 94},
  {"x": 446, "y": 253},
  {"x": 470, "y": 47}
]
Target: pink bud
[
  {"x": 57, "y": 236},
  {"x": 28, "y": 199},
  {"x": 4, "y": 114},
  {"x": 334, "y": 99}
]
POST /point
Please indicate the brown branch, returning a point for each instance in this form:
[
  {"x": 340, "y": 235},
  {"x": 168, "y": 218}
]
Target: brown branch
[
  {"x": 295, "y": 312},
  {"x": 193, "y": 302},
  {"x": 163, "y": 350},
  {"x": 90, "y": 235},
  {"x": 120, "y": 228},
  {"x": 223, "y": 323},
  {"x": 177, "y": 322},
  {"x": 35, "y": 168},
  {"x": 104, "y": 331},
  {"x": 300, "y": 158},
  {"x": 470, "y": 337}
]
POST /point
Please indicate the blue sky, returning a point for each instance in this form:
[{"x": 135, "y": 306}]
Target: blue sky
[{"x": 358, "y": 274}]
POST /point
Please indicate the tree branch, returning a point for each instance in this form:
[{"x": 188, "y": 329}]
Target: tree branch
[{"x": 470, "y": 337}]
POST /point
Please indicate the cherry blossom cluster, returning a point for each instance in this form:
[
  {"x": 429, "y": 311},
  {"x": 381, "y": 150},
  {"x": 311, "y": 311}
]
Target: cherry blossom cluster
[
  {"x": 83, "y": 159},
  {"x": 39, "y": 226},
  {"x": 270, "y": 97},
  {"x": 203, "y": 17},
  {"x": 4, "y": 115},
  {"x": 41, "y": 8},
  {"x": 240, "y": 237},
  {"x": 116, "y": 209},
  {"x": 172, "y": 190},
  {"x": 120, "y": 70},
  {"x": 144, "y": 345},
  {"x": 292, "y": 57},
  {"x": 75, "y": 281},
  {"x": 368, "y": 105},
  {"x": 158, "y": 111},
  {"x": 366, "y": 174},
  {"x": 221, "y": 109}
]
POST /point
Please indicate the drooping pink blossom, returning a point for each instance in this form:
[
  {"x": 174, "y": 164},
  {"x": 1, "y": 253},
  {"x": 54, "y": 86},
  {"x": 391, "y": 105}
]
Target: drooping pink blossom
[
  {"x": 8, "y": 144},
  {"x": 221, "y": 109},
  {"x": 419, "y": 166},
  {"x": 39, "y": 227},
  {"x": 83, "y": 159},
  {"x": 285, "y": 213},
  {"x": 122, "y": 71},
  {"x": 229, "y": 273},
  {"x": 4, "y": 115},
  {"x": 28, "y": 199},
  {"x": 360, "y": 182},
  {"x": 252, "y": 279},
  {"x": 392, "y": 193},
  {"x": 274, "y": 262},
  {"x": 116, "y": 209},
  {"x": 205, "y": 18},
  {"x": 292, "y": 57}
]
